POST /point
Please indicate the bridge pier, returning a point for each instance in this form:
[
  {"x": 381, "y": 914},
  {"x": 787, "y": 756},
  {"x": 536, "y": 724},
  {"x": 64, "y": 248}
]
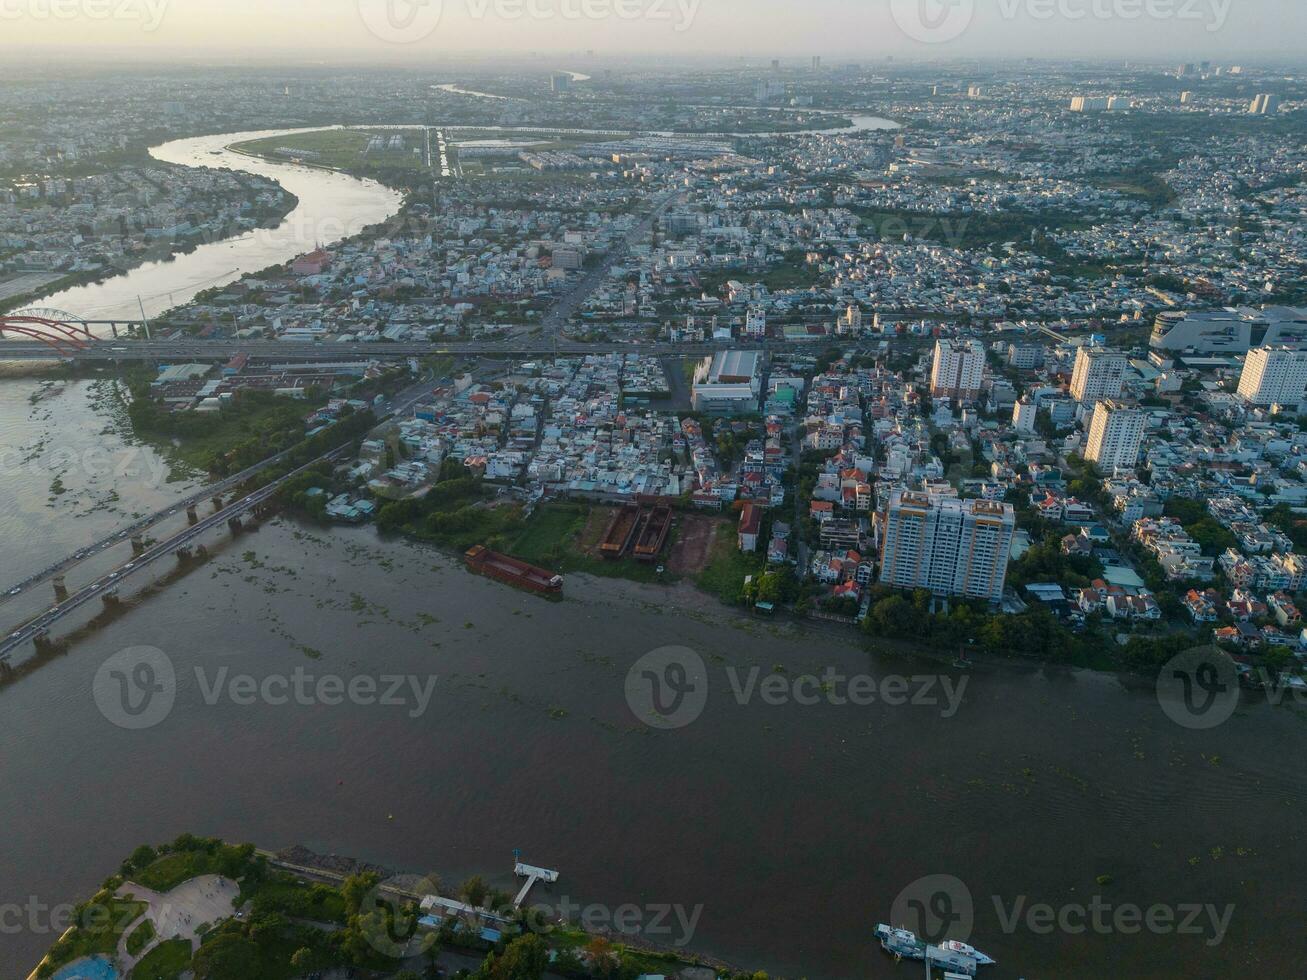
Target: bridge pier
[
  {"x": 183, "y": 554},
  {"x": 110, "y": 599},
  {"x": 192, "y": 515},
  {"x": 201, "y": 551},
  {"x": 217, "y": 503},
  {"x": 138, "y": 544},
  {"x": 235, "y": 524},
  {"x": 41, "y": 640},
  {"x": 60, "y": 588}
]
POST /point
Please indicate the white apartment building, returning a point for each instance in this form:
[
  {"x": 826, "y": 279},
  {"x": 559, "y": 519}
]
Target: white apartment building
[
  {"x": 755, "y": 322},
  {"x": 1098, "y": 375},
  {"x": 959, "y": 370},
  {"x": 1115, "y": 433},
  {"x": 946, "y": 545},
  {"x": 1024, "y": 413},
  {"x": 1274, "y": 376}
]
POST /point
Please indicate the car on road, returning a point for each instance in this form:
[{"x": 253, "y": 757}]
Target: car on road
[{"x": 14, "y": 591}]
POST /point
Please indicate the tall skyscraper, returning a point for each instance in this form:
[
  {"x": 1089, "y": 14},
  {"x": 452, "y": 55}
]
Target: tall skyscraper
[
  {"x": 946, "y": 545},
  {"x": 560, "y": 82},
  {"x": 1274, "y": 376},
  {"x": 1265, "y": 105},
  {"x": 959, "y": 370},
  {"x": 1098, "y": 374},
  {"x": 1115, "y": 433}
]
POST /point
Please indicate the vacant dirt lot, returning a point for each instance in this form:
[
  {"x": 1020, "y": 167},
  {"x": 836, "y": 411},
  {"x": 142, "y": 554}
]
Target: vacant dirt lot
[{"x": 693, "y": 544}]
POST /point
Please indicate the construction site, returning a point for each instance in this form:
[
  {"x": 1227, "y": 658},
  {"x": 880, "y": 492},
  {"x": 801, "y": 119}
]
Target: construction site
[{"x": 638, "y": 531}]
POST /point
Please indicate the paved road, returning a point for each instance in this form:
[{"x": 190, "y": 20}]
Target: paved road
[
  {"x": 222, "y": 350},
  {"x": 571, "y": 301}
]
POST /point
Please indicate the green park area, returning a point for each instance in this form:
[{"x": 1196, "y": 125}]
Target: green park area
[
  {"x": 350, "y": 150},
  {"x": 284, "y": 925}
]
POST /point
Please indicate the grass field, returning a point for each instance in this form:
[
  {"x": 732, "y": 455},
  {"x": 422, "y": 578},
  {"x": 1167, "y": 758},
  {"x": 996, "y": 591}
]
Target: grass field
[
  {"x": 343, "y": 149},
  {"x": 728, "y": 566},
  {"x": 565, "y": 538},
  {"x": 140, "y": 937},
  {"x": 167, "y": 961}
]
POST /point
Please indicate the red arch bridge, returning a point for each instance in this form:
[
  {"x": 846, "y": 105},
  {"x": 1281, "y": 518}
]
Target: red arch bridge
[{"x": 62, "y": 332}]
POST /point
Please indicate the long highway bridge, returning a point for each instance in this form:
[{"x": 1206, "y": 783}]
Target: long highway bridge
[
  {"x": 147, "y": 556},
  {"x": 107, "y": 585},
  {"x": 176, "y": 351}
]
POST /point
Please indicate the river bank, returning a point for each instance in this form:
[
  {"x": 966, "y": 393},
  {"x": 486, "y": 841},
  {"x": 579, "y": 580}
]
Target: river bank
[
  {"x": 523, "y": 684},
  {"x": 296, "y": 911}
]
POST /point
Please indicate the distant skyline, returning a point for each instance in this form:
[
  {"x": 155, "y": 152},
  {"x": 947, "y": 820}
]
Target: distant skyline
[{"x": 299, "y": 31}]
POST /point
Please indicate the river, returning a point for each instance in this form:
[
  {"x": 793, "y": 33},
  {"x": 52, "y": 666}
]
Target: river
[
  {"x": 790, "y": 829},
  {"x": 332, "y": 206}
]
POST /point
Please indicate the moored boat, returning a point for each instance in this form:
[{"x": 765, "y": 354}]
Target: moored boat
[
  {"x": 901, "y": 942},
  {"x": 513, "y": 571}
]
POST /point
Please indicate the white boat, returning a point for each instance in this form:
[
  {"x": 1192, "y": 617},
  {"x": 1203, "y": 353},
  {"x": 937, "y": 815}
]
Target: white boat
[
  {"x": 954, "y": 946},
  {"x": 901, "y": 942}
]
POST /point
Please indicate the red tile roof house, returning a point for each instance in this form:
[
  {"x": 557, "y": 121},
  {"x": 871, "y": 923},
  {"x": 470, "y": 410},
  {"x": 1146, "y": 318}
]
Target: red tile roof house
[
  {"x": 750, "y": 526},
  {"x": 822, "y": 510}
]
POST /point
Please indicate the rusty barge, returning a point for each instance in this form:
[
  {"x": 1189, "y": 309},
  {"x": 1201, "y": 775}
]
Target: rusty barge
[
  {"x": 513, "y": 572},
  {"x": 621, "y": 530}
]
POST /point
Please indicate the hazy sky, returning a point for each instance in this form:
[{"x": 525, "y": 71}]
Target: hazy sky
[{"x": 306, "y": 30}]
